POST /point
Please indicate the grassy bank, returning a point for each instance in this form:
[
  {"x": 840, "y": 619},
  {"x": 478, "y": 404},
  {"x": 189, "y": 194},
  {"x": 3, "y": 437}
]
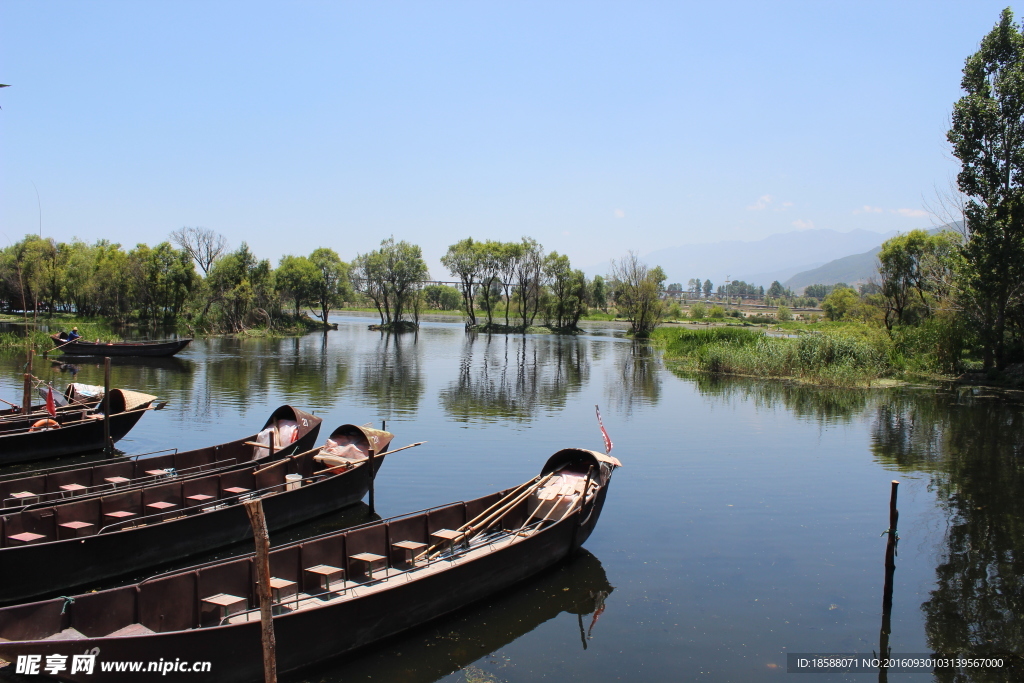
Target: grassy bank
[{"x": 844, "y": 356}]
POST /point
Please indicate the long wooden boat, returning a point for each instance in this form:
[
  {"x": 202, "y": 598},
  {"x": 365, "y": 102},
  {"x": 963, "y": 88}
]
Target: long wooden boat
[
  {"x": 50, "y": 548},
  {"x": 287, "y": 431},
  {"x": 33, "y": 437},
  {"x": 156, "y": 348},
  {"x": 334, "y": 593},
  {"x": 578, "y": 586}
]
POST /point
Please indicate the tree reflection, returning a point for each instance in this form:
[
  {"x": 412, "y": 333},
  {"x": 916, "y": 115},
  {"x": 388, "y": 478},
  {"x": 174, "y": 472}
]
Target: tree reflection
[
  {"x": 512, "y": 377},
  {"x": 827, "y": 405},
  {"x": 392, "y": 377},
  {"x": 973, "y": 445},
  {"x": 638, "y": 378}
]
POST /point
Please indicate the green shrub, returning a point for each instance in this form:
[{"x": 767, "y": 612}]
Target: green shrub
[
  {"x": 698, "y": 311},
  {"x": 716, "y": 312}
]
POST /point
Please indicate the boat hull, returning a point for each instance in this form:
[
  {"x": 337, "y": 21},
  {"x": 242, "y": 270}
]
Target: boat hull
[
  {"x": 312, "y": 635},
  {"x": 68, "y": 440},
  {"x": 154, "y": 350}
]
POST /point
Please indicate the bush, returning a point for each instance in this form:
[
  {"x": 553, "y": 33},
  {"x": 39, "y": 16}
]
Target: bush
[
  {"x": 698, "y": 311},
  {"x": 783, "y": 313},
  {"x": 716, "y": 312}
]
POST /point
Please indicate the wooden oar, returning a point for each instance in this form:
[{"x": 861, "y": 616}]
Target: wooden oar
[
  {"x": 378, "y": 455},
  {"x": 493, "y": 517},
  {"x": 282, "y": 460}
]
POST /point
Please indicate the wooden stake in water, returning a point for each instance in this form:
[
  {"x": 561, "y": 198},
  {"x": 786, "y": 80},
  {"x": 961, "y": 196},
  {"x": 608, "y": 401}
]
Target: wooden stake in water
[
  {"x": 254, "y": 508},
  {"x": 890, "y": 570},
  {"x": 108, "y": 445},
  {"x": 26, "y": 396}
]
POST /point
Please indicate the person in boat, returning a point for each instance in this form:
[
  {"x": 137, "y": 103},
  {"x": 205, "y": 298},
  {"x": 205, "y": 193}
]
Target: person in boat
[{"x": 74, "y": 334}]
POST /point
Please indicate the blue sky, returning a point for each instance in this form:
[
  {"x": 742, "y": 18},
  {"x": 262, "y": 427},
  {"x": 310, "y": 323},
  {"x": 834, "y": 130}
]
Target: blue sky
[{"x": 595, "y": 127}]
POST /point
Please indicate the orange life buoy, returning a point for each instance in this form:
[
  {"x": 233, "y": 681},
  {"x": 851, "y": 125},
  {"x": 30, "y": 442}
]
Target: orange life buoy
[{"x": 40, "y": 425}]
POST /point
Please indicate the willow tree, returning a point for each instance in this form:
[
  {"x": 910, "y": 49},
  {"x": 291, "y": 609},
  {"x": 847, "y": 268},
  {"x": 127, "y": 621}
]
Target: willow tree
[
  {"x": 391, "y": 277},
  {"x": 987, "y": 136},
  {"x": 638, "y": 293}
]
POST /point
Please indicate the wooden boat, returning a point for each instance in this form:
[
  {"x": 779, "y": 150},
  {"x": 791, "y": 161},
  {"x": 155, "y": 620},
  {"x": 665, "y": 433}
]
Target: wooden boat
[
  {"x": 59, "y": 484},
  {"x": 579, "y": 587},
  {"x": 35, "y": 437},
  {"x": 81, "y": 542},
  {"x": 156, "y": 348},
  {"x": 334, "y": 593}
]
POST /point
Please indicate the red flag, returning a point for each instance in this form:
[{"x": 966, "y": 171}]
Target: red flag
[
  {"x": 604, "y": 433},
  {"x": 50, "y": 407}
]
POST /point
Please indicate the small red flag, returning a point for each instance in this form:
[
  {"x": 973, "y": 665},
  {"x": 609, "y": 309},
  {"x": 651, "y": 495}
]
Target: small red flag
[
  {"x": 50, "y": 407},
  {"x": 604, "y": 432}
]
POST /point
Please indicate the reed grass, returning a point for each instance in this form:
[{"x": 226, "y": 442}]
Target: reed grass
[{"x": 827, "y": 359}]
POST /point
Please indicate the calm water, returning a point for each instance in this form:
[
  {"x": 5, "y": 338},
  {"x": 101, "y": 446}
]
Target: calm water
[{"x": 744, "y": 525}]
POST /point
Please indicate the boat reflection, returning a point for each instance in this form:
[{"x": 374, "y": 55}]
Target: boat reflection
[{"x": 432, "y": 652}]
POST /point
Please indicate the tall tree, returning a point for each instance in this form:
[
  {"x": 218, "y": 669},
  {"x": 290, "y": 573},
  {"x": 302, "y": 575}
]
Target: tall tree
[
  {"x": 463, "y": 261},
  {"x": 297, "y": 278},
  {"x": 202, "y": 244},
  {"x": 987, "y": 135},
  {"x": 639, "y": 293},
  {"x": 332, "y": 280}
]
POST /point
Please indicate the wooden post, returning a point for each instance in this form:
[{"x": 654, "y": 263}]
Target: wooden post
[
  {"x": 26, "y": 396},
  {"x": 369, "y": 463},
  {"x": 890, "y": 570},
  {"x": 108, "y": 445},
  {"x": 254, "y": 508}
]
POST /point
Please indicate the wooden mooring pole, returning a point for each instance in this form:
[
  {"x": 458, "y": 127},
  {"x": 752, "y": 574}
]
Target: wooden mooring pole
[
  {"x": 108, "y": 445},
  {"x": 890, "y": 570},
  {"x": 254, "y": 508},
  {"x": 26, "y": 396}
]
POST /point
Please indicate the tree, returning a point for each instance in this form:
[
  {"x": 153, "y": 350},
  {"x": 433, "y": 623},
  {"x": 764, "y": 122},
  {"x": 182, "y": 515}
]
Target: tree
[
  {"x": 204, "y": 245},
  {"x": 599, "y": 293},
  {"x": 841, "y": 303},
  {"x": 708, "y": 287},
  {"x": 332, "y": 280},
  {"x": 987, "y": 136},
  {"x": 298, "y": 278},
  {"x": 528, "y": 280},
  {"x": 776, "y": 290},
  {"x": 463, "y": 261},
  {"x": 639, "y": 293},
  {"x": 392, "y": 277}
]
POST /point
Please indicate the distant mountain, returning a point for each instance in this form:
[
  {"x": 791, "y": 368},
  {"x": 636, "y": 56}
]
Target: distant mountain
[
  {"x": 852, "y": 270},
  {"x": 762, "y": 261},
  {"x": 849, "y": 269}
]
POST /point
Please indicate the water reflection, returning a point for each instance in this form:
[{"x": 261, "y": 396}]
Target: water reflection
[
  {"x": 827, "y": 405},
  {"x": 637, "y": 379},
  {"x": 973, "y": 447},
  {"x": 468, "y": 640},
  {"x": 505, "y": 377},
  {"x": 392, "y": 376}
]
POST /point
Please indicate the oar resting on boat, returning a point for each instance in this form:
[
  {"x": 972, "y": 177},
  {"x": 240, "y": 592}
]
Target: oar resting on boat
[{"x": 332, "y": 593}]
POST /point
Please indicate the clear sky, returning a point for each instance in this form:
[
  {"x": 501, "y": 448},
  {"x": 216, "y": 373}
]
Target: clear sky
[{"x": 595, "y": 127}]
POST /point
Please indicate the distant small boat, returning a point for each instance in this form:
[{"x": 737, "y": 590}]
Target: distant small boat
[
  {"x": 333, "y": 593},
  {"x": 37, "y": 437},
  {"x": 157, "y": 348}
]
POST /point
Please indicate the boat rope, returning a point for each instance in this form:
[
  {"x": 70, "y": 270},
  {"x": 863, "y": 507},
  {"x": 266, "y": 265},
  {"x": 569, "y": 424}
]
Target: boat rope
[{"x": 67, "y": 601}]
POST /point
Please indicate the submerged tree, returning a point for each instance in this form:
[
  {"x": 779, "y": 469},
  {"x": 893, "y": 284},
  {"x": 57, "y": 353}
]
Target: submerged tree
[{"x": 391, "y": 277}]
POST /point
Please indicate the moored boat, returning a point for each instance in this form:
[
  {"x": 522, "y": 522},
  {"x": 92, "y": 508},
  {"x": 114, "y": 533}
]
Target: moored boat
[
  {"x": 155, "y": 348},
  {"x": 334, "y": 593},
  {"x": 51, "y": 547},
  {"x": 36, "y": 437},
  {"x": 287, "y": 431}
]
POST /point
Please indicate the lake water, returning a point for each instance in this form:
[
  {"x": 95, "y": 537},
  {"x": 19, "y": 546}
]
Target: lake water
[{"x": 744, "y": 525}]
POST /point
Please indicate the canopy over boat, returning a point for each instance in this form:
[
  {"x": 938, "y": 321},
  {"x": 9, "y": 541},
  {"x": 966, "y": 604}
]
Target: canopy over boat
[{"x": 76, "y": 431}]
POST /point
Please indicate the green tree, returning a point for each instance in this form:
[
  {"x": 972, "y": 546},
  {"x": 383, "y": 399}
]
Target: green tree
[
  {"x": 297, "y": 278},
  {"x": 599, "y": 293},
  {"x": 639, "y": 293},
  {"x": 708, "y": 288},
  {"x": 463, "y": 261},
  {"x": 840, "y": 304},
  {"x": 987, "y": 136},
  {"x": 332, "y": 283},
  {"x": 392, "y": 277}
]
